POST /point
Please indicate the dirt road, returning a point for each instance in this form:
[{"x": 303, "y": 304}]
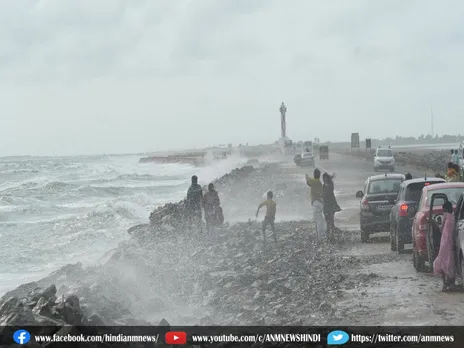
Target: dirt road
[{"x": 396, "y": 294}]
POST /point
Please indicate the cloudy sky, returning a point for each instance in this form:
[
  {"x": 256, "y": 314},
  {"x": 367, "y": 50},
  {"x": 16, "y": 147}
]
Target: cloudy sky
[{"x": 108, "y": 76}]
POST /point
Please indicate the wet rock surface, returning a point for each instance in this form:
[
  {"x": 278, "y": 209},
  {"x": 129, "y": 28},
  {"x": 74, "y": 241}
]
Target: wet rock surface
[{"x": 188, "y": 278}]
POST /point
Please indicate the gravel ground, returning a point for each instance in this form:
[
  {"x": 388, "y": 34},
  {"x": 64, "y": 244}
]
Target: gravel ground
[{"x": 235, "y": 279}]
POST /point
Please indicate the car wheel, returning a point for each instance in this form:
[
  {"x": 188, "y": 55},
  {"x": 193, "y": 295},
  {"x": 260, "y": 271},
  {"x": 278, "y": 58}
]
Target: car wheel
[
  {"x": 418, "y": 262},
  {"x": 392, "y": 239},
  {"x": 399, "y": 243},
  {"x": 364, "y": 235},
  {"x": 462, "y": 267}
]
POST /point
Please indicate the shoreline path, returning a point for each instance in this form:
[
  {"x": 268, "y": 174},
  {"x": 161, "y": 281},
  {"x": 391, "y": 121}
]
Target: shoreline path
[{"x": 390, "y": 291}]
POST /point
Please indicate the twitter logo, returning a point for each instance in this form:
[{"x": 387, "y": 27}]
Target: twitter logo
[{"x": 337, "y": 337}]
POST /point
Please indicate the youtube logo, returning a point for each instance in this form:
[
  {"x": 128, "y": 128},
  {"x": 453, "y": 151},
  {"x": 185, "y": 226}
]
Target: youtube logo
[{"x": 175, "y": 337}]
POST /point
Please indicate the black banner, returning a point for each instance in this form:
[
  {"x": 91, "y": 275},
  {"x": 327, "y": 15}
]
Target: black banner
[{"x": 235, "y": 336}]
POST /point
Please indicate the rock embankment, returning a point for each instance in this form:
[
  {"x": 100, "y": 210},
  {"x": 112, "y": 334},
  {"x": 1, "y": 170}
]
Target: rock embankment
[
  {"x": 75, "y": 296},
  {"x": 171, "y": 216},
  {"x": 52, "y": 314},
  {"x": 432, "y": 162}
]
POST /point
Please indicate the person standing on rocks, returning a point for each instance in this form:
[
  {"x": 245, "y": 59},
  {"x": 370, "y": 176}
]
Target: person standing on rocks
[
  {"x": 212, "y": 205},
  {"x": 271, "y": 208},
  {"x": 194, "y": 203},
  {"x": 330, "y": 204},
  {"x": 317, "y": 202}
]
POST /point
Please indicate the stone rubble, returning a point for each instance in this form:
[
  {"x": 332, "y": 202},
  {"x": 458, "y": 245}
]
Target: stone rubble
[{"x": 234, "y": 278}]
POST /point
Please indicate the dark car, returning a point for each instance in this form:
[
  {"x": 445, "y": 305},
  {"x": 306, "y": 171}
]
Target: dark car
[
  {"x": 402, "y": 214},
  {"x": 377, "y": 200}
]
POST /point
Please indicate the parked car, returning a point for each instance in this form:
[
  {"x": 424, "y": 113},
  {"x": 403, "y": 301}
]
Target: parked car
[
  {"x": 459, "y": 234},
  {"x": 307, "y": 159},
  {"x": 425, "y": 234},
  {"x": 377, "y": 200},
  {"x": 402, "y": 213}
]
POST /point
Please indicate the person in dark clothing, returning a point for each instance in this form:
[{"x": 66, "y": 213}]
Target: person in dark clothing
[
  {"x": 194, "y": 203},
  {"x": 408, "y": 176},
  {"x": 212, "y": 205},
  {"x": 330, "y": 204}
]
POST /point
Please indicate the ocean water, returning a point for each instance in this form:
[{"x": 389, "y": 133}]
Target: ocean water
[{"x": 60, "y": 210}]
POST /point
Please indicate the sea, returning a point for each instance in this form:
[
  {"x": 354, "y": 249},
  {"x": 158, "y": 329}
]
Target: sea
[{"x": 60, "y": 210}]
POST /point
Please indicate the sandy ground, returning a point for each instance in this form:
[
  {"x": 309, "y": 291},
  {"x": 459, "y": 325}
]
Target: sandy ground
[{"x": 397, "y": 294}]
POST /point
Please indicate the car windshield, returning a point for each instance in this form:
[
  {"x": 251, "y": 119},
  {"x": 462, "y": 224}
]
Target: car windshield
[
  {"x": 384, "y": 153},
  {"x": 414, "y": 191},
  {"x": 453, "y": 194},
  {"x": 307, "y": 154},
  {"x": 384, "y": 186}
]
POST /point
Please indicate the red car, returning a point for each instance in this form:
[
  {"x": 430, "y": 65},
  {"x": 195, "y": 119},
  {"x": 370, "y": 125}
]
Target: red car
[{"x": 425, "y": 234}]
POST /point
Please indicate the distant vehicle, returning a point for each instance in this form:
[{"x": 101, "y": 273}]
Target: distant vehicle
[
  {"x": 384, "y": 159},
  {"x": 377, "y": 200},
  {"x": 425, "y": 235},
  {"x": 402, "y": 213},
  {"x": 323, "y": 152},
  {"x": 307, "y": 159},
  {"x": 252, "y": 162},
  {"x": 459, "y": 234}
]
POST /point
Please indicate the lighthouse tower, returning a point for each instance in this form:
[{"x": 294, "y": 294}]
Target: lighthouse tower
[{"x": 284, "y": 141}]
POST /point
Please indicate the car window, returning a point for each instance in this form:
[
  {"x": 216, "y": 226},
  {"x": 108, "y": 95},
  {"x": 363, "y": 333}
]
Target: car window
[
  {"x": 414, "y": 192},
  {"x": 421, "y": 202},
  {"x": 453, "y": 194},
  {"x": 461, "y": 212},
  {"x": 384, "y": 153},
  {"x": 307, "y": 154},
  {"x": 384, "y": 186}
]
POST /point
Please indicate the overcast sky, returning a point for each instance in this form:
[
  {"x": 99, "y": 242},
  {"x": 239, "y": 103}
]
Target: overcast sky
[{"x": 114, "y": 76}]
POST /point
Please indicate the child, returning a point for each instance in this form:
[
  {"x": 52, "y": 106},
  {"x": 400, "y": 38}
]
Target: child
[{"x": 270, "y": 215}]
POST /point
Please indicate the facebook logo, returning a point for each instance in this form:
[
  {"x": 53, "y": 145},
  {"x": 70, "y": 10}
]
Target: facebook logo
[{"x": 21, "y": 337}]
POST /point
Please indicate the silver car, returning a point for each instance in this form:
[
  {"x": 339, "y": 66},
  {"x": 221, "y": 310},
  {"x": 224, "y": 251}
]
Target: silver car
[{"x": 307, "y": 159}]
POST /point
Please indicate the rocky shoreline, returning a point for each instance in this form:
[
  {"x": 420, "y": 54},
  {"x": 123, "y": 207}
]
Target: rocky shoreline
[
  {"x": 74, "y": 295},
  {"x": 162, "y": 276}
]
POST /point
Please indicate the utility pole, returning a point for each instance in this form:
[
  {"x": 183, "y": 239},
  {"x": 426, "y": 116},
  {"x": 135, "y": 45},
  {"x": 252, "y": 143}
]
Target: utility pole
[{"x": 431, "y": 120}]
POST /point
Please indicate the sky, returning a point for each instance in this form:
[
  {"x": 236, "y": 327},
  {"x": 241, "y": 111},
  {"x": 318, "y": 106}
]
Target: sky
[{"x": 116, "y": 76}]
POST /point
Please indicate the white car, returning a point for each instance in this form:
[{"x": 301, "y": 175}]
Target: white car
[
  {"x": 384, "y": 159},
  {"x": 307, "y": 159}
]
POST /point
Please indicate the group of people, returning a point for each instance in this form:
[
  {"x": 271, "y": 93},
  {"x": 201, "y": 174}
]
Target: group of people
[
  {"x": 324, "y": 203},
  {"x": 209, "y": 202}
]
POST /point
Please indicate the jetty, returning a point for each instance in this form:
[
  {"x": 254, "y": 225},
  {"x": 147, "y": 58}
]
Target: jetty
[{"x": 195, "y": 159}]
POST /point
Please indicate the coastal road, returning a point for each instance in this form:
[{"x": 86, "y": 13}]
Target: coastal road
[{"x": 399, "y": 295}]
